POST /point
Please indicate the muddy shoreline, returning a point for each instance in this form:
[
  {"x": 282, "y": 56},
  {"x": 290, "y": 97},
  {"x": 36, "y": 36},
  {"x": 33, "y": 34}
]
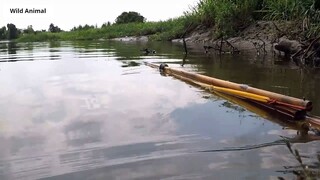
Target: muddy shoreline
[
  {"x": 252, "y": 38},
  {"x": 258, "y": 36}
]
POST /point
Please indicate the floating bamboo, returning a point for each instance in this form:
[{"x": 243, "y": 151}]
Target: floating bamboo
[{"x": 292, "y": 102}]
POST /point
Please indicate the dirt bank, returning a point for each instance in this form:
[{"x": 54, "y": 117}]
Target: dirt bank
[
  {"x": 252, "y": 38},
  {"x": 132, "y": 38}
]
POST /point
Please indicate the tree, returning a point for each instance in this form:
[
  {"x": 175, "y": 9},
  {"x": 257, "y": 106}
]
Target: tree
[
  {"x": 12, "y": 31},
  {"x": 128, "y": 17},
  {"x": 106, "y": 24},
  {"x": 29, "y": 29},
  {"x": 76, "y": 28},
  {"x": 53, "y": 28},
  {"x": 3, "y": 33},
  {"x": 88, "y": 27}
]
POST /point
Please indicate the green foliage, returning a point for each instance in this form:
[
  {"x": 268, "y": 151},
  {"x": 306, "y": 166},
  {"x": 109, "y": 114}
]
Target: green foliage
[
  {"x": 106, "y": 24},
  {"x": 129, "y": 17},
  {"x": 230, "y": 16},
  {"x": 163, "y": 30},
  {"x": 306, "y": 13},
  {"x": 170, "y": 29},
  {"x": 53, "y": 28},
  {"x": 203, "y": 12},
  {"x": 40, "y": 36},
  {"x": 28, "y": 30},
  {"x": 3, "y": 33},
  {"x": 85, "y": 27},
  {"x": 227, "y": 16},
  {"x": 287, "y": 9}
]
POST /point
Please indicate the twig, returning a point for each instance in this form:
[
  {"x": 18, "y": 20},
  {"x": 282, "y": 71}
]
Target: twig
[
  {"x": 278, "y": 29},
  {"x": 183, "y": 38},
  {"x": 312, "y": 54},
  {"x": 311, "y": 45},
  {"x": 263, "y": 45},
  {"x": 184, "y": 60},
  {"x": 185, "y": 45},
  {"x": 220, "y": 50},
  {"x": 234, "y": 49},
  {"x": 297, "y": 53}
]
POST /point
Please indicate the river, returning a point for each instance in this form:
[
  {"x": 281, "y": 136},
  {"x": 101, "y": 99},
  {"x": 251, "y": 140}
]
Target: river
[{"x": 93, "y": 110}]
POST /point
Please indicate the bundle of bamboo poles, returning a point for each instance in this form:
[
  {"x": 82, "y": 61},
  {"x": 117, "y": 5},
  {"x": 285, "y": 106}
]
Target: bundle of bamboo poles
[{"x": 290, "y": 106}]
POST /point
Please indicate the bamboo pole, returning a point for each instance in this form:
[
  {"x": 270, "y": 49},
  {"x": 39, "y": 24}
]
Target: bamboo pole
[{"x": 295, "y": 102}]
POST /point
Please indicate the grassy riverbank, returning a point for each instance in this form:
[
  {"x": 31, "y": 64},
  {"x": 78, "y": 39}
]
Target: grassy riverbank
[
  {"x": 228, "y": 17},
  {"x": 162, "y": 30},
  {"x": 222, "y": 17}
]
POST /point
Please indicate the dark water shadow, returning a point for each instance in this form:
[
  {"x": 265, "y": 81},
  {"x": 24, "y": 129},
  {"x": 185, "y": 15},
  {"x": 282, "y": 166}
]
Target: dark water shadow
[{"x": 12, "y": 47}]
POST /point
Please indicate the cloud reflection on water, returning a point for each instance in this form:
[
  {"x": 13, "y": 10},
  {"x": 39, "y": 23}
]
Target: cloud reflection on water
[
  {"x": 77, "y": 114},
  {"x": 61, "y": 111}
]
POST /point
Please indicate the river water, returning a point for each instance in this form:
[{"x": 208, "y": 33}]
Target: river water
[{"x": 93, "y": 110}]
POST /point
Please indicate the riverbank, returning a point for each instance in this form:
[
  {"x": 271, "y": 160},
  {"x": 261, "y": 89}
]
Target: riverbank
[
  {"x": 249, "y": 24},
  {"x": 157, "y": 31},
  {"x": 253, "y": 37},
  {"x": 257, "y": 36}
]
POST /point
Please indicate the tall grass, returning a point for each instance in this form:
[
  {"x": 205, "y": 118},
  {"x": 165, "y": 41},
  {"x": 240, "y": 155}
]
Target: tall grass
[
  {"x": 305, "y": 13},
  {"x": 288, "y": 9},
  {"x": 227, "y": 16},
  {"x": 230, "y": 16}
]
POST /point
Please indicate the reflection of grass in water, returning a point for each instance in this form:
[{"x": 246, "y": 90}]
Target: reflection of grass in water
[
  {"x": 131, "y": 64},
  {"x": 232, "y": 106},
  {"x": 303, "y": 171}
]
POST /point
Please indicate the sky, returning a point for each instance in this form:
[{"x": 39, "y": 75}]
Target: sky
[{"x": 69, "y": 13}]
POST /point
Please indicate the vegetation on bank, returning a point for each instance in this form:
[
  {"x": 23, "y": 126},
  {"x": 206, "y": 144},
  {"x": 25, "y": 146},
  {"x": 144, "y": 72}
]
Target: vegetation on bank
[
  {"x": 163, "y": 30},
  {"x": 225, "y": 17},
  {"x": 228, "y": 17}
]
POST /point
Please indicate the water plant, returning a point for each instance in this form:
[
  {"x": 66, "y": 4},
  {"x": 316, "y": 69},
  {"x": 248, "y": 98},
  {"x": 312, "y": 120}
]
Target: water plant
[{"x": 303, "y": 170}]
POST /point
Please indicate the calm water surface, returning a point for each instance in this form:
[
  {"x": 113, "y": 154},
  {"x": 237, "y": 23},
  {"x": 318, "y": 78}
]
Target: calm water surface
[{"x": 93, "y": 110}]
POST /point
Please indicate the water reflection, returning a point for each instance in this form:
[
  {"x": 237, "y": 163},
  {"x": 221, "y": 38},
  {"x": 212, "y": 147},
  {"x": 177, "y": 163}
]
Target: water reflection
[
  {"x": 302, "y": 137},
  {"x": 54, "y": 44},
  {"x": 12, "y": 47},
  {"x": 81, "y": 132},
  {"x": 25, "y": 52},
  {"x": 99, "y": 113}
]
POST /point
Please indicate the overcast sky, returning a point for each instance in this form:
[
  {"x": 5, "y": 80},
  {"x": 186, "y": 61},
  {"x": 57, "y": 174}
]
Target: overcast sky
[{"x": 69, "y": 13}]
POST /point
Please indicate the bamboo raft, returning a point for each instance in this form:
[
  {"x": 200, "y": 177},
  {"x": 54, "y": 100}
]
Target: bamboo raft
[{"x": 292, "y": 107}]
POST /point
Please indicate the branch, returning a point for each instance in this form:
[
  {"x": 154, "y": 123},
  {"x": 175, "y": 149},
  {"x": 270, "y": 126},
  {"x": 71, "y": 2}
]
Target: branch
[{"x": 311, "y": 45}]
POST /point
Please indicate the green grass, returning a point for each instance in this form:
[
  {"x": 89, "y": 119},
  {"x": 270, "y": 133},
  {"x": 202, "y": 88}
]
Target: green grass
[
  {"x": 288, "y": 9},
  {"x": 230, "y": 16},
  {"x": 227, "y": 16},
  {"x": 161, "y": 31},
  {"x": 42, "y": 36}
]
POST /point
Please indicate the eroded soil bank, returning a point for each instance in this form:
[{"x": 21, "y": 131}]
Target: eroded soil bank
[{"x": 256, "y": 35}]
